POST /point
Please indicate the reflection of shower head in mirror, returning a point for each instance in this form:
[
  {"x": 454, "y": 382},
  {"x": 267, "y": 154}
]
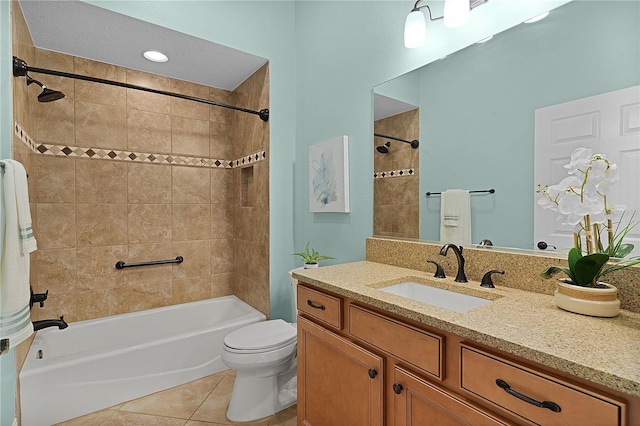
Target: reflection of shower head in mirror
[{"x": 383, "y": 149}]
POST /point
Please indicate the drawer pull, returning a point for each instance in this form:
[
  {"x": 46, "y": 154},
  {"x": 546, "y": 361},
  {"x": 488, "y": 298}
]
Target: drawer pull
[
  {"x": 372, "y": 373},
  {"x": 397, "y": 388},
  {"x": 544, "y": 404},
  {"x": 313, "y": 305}
]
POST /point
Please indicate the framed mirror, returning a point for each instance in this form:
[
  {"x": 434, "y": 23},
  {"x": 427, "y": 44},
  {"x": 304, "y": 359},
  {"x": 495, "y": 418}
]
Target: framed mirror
[{"x": 477, "y": 110}]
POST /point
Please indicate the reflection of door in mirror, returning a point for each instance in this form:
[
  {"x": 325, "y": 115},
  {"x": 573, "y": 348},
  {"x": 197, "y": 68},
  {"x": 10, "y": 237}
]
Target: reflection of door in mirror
[
  {"x": 608, "y": 124},
  {"x": 396, "y": 185}
]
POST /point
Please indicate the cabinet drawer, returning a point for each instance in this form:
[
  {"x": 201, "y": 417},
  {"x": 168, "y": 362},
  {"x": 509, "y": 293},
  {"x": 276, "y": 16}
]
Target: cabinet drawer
[
  {"x": 321, "y": 306},
  {"x": 416, "y": 347},
  {"x": 487, "y": 375}
]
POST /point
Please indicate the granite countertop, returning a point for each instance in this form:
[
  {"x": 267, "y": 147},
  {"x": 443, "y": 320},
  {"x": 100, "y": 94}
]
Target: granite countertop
[{"x": 523, "y": 323}]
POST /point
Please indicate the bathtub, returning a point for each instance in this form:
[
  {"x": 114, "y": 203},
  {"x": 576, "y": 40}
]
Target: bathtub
[{"x": 95, "y": 364}]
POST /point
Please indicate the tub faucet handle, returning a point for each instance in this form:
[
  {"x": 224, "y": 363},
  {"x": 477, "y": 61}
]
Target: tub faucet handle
[{"x": 38, "y": 298}]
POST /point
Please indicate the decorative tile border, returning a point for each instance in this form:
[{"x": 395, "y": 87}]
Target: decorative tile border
[
  {"x": 394, "y": 173},
  {"x": 24, "y": 137},
  {"x": 135, "y": 156}
]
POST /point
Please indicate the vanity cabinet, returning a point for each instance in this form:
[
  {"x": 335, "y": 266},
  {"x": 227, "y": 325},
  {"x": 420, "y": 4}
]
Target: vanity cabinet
[
  {"x": 339, "y": 383},
  {"x": 424, "y": 376}
]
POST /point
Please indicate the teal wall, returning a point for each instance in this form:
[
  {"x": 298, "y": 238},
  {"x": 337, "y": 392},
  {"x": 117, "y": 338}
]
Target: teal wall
[{"x": 477, "y": 109}]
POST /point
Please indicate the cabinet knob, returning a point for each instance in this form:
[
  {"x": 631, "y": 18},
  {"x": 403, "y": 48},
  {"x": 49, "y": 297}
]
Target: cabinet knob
[
  {"x": 372, "y": 373},
  {"x": 397, "y": 388}
]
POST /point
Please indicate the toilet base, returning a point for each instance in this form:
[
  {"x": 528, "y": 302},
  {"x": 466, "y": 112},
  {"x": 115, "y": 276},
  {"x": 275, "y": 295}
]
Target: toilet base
[{"x": 257, "y": 396}]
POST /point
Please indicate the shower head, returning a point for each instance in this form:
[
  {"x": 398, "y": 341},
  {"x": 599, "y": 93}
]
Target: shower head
[
  {"x": 47, "y": 95},
  {"x": 383, "y": 149}
]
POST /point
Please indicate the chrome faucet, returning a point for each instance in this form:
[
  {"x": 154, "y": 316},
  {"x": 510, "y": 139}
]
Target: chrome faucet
[{"x": 460, "y": 276}]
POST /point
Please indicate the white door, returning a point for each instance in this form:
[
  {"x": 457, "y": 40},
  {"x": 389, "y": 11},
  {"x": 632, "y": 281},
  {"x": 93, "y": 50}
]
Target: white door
[{"x": 608, "y": 124}]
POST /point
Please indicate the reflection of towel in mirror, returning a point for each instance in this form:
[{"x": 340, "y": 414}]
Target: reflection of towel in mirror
[
  {"x": 17, "y": 244},
  {"x": 455, "y": 217}
]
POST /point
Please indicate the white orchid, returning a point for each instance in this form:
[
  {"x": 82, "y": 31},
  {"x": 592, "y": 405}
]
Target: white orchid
[{"x": 581, "y": 198}]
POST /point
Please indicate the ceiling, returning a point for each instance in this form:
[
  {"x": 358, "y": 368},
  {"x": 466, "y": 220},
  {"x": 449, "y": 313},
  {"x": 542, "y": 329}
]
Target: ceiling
[{"x": 87, "y": 31}]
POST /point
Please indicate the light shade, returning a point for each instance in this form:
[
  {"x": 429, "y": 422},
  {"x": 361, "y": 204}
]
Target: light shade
[
  {"x": 456, "y": 12},
  {"x": 415, "y": 30},
  {"x": 537, "y": 18},
  {"x": 155, "y": 56}
]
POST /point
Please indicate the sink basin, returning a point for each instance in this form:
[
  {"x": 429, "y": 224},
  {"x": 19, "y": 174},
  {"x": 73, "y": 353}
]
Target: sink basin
[{"x": 442, "y": 298}]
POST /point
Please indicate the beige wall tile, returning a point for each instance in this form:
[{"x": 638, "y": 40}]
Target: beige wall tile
[
  {"x": 221, "y": 284},
  {"x": 146, "y": 253},
  {"x": 190, "y": 184},
  {"x": 55, "y": 120},
  {"x": 54, "y": 179},
  {"x": 191, "y": 222},
  {"x": 190, "y": 109},
  {"x": 221, "y": 186},
  {"x": 189, "y": 136},
  {"x": 191, "y": 289},
  {"x": 148, "y": 131},
  {"x": 145, "y": 100},
  {"x": 100, "y": 126},
  {"x": 57, "y": 305},
  {"x": 146, "y": 295},
  {"x": 221, "y": 221},
  {"x": 149, "y": 183},
  {"x": 97, "y": 92},
  {"x": 56, "y": 270},
  {"x": 96, "y": 267},
  {"x": 101, "y": 181},
  {"x": 149, "y": 223},
  {"x": 92, "y": 304},
  {"x": 101, "y": 224},
  {"x": 220, "y": 145},
  {"x": 196, "y": 258},
  {"x": 221, "y": 256},
  {"x": 56, "y": 225}
]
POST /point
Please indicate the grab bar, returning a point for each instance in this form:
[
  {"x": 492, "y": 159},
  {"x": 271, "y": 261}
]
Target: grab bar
[
  {"x": 490, "y": 191},
  {"x": 120, "y": 264}
]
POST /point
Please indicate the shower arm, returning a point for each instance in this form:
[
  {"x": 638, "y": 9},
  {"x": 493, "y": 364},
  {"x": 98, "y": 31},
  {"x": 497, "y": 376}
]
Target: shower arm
[
  {"x": 413, "y": 143},
  {"x": 20, "y": 68}
]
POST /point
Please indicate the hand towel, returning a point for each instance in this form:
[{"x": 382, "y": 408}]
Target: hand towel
[
  {"x": 17, "y": 244},
  {"x": 455, "y": 217}
]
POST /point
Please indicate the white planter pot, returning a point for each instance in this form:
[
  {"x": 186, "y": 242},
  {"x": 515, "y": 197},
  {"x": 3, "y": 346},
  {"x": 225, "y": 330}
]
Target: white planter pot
[
  {"x": 596, "y": 302},
  {"x": 311, "y": 265}
]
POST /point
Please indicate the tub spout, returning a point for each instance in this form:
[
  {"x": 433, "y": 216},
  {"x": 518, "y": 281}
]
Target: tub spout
[{"x": 60, "y": 323}]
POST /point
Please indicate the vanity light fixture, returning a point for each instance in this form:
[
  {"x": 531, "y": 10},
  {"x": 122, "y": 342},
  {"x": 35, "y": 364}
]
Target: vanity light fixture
[
  {"x": 155, "y": 56},
  {"x": 456, "y": 13},
  {"x": 537, "y": 18}
]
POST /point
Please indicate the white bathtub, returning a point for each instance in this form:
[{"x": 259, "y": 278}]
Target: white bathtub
[{"x": 98, "y": 363}]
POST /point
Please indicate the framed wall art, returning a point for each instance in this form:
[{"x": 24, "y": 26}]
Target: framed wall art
[{"x": 329, "y": 176}]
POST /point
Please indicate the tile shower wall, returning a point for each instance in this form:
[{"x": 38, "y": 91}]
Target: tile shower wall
[
  {"x": 108, "y": 183},
  {"x": 396, "y": 211}
]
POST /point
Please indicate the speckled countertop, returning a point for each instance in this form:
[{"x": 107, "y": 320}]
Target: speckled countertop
[{"x": 602, "y": 350}]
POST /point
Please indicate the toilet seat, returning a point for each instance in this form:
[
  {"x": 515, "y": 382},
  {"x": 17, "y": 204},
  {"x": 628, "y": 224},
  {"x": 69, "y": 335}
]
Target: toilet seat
[{"x": 263, "y": 336}]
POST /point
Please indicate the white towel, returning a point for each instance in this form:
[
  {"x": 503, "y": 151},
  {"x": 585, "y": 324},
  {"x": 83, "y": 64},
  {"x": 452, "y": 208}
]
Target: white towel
[
  {"x": 17, "y": 244},
  {"x": 455, "y": 217}
]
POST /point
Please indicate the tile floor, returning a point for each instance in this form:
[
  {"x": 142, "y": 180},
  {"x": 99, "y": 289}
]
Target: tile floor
[{"x": 202, "y": 402}]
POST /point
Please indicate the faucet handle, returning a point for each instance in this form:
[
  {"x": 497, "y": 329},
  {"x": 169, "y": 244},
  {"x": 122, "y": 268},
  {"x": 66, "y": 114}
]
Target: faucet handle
[
  {"x": 439, "y": 271},
  {"x": 38, "y": 298},
  {"x": 487, "y": 282}
]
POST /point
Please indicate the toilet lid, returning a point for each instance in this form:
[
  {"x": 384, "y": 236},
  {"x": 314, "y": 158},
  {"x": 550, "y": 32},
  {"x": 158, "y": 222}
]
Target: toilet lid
[{"x": 266, "y": 335}]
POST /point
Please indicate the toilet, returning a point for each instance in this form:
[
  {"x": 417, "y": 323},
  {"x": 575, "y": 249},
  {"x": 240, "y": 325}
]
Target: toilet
[{"x": 264, "y": 357}]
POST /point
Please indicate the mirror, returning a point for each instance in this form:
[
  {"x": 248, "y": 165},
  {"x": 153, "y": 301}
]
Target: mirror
[{"x": 477, "y": 110}]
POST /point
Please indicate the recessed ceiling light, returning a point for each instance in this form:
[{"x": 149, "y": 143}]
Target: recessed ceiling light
[
  {"x": 537, "y": 18},
  {"x": 155, "y": 56},
  {"x": 484, "y": 40}
]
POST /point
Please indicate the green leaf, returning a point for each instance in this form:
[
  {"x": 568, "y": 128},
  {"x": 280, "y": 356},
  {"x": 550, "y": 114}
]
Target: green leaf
[
  {"x": 553, "y": 270},
  {"x": 623, "y": 250},
  {"x": 587, "y": 268},
  {"x": 575, "y": 254}
]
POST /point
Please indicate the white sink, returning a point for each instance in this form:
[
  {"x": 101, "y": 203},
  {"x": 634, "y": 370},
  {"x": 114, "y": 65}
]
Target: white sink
[{"x": 447, "y": 299}]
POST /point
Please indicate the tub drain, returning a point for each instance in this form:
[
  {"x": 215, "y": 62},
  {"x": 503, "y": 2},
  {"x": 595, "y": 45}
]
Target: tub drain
[{"x": 39, "y": 354}]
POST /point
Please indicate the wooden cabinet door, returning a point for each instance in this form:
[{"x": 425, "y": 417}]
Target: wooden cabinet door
[
  {"x": 420, "y": 403},
  {"x": 339, "y": 383}
]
